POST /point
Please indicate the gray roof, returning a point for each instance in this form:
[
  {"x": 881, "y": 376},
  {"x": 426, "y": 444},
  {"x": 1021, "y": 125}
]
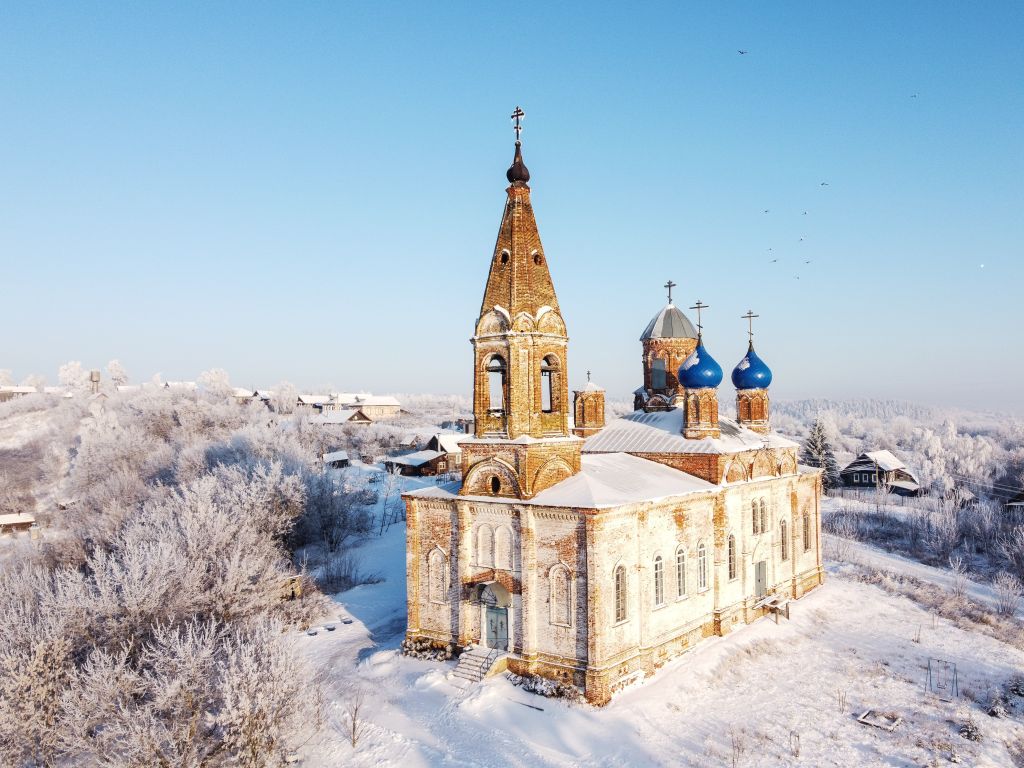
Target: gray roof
[
  {"x": 661, "y": 432},
  {"x": 670, "y": 323}
]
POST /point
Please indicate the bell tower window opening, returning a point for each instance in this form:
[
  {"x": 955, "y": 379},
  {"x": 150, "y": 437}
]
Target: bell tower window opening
[
  {"x": 497, "y": 379},
  {"x": 548, "y": 374},
  {"x": 495, "y": 485}
]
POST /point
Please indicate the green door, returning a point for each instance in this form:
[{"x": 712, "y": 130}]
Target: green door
[
  {"x": 497, "y": 628},
  {"x": 761, "y": 579}
]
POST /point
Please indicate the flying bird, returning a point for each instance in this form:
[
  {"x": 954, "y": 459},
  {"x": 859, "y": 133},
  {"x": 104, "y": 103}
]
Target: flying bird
[
  {"x": 774, "y": 260},
  {"x": 801, "y": 239},
  {"x": 742, "y": 53},
  {"x": 805, "y": 213},
  {"x": 766, "y": 210},
  {"x": 824, "y": 183},
  {"x": 913, "y": 95},
  {"x": 807, "y": 262}
]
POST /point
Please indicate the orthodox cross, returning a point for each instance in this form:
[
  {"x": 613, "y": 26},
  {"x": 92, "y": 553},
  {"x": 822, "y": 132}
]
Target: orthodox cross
[
  {"x": 518, "y": 115},
  {"x": 699, "y": 306},
  {"x": 749, "y": 317},
  {"x": 588, "y": 377},
  {"x": 670, "y": 285}
]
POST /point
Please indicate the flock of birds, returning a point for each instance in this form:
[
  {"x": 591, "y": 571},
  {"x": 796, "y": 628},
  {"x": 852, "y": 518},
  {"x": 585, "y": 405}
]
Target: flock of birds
[{"x": 742, "y": 52}]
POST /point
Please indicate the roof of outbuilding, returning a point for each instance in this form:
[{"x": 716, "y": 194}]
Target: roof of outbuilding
[{"x": 669, "y": 323}]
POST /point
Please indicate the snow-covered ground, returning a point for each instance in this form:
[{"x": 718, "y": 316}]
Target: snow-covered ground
[{"x": 767, "y": 695}]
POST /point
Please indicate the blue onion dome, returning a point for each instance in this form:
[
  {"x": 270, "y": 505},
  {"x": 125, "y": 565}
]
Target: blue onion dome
[
  {"x": 700, "y": 369},
  {"x": 751, "y": 372}
]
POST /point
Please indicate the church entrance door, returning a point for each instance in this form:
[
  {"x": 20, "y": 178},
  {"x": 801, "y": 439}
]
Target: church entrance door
[
  {"x": 497, "y": 628},
  {"x": 760, "y": 579}
]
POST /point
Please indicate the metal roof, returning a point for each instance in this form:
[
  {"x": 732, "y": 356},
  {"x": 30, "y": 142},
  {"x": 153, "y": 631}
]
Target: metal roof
[
  {"x": 670, "y": 323},
  {"x": 661, "y": 432}
]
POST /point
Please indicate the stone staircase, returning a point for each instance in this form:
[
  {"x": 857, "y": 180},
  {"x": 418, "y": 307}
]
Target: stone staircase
[{"x": 474, "y": 665}]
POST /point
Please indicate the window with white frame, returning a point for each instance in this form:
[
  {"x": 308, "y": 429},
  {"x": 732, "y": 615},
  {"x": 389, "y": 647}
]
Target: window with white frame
[
  {"x": 732, "y": 558},
  {"x": 702, "y": 567},
  {"x": 620, "y": 593},
  {"x": 681, "y": 572},
  {"x": 659, "y": 581}
]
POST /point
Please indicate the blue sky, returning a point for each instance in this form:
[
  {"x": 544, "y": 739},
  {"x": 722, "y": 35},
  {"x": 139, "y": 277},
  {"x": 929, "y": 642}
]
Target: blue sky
[{"x": 311, "y": 192}]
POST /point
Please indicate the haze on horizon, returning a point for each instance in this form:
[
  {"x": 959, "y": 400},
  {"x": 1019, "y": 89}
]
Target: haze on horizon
[{"x": 314, "y": 196}]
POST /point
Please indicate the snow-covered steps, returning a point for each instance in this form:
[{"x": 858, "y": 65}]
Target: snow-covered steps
[{"x": 475, "y": 664}]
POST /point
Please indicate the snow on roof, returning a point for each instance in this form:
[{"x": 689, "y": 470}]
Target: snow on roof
[
  {"x": 128, "y": 387},
  {"x": 314, "y": 399},
  {"x": 416, "y": 459},
  {"x": 333, "y": 456},
  {"x": 592, "y": 387},
  {"x": 908, "y": 485},
  {"x": 605, "y": 480},
  {"x": 18, "y": 390},
  {"x": 377, "y": 400},
  {"x": 17, "y": 518},
  {"x": 661, "y": 432},
  {"x": 333, "y": 417},
  {"x": 180, "y": 385},
  {"x": 242, "y": 392},
  {"x": 885, "y": 460},
  {"x": 449, "y": 442}
]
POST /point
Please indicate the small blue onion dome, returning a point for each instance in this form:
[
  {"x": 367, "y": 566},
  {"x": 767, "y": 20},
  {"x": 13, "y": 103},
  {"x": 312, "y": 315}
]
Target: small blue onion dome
[
  {"x": 751, "y": 372},
  {"x": 700, "y": 369}
]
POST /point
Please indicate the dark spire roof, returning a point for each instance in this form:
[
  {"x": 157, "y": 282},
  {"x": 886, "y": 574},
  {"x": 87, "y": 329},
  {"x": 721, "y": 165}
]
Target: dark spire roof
[{"x": 518, "y": 171}]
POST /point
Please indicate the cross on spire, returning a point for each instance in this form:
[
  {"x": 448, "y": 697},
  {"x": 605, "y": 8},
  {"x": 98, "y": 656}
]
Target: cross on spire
[
  {"x": 670, "y": 285},
  {"x": 588, "y": 377},
  {"x": 749, "y": 317},
  {"x": 518, "y": 116},
  {"x": 699, "y": 306}
]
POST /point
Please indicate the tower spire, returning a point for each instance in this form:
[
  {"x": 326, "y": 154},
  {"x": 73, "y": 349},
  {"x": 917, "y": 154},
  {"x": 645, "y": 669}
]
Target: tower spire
[
  {"x": 699, "y": 306},
  {"x": 518, "y": 174}
]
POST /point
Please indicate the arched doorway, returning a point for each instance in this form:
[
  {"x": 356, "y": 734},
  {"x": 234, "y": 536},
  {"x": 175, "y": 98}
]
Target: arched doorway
[{"x": 496, "y": 606}]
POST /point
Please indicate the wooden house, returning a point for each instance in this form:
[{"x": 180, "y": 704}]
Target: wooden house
[{"x": 880, "y": 469}]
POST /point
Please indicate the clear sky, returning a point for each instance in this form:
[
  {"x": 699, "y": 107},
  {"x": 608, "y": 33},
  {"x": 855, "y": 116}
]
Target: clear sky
[{"x": 311, "y": 192}]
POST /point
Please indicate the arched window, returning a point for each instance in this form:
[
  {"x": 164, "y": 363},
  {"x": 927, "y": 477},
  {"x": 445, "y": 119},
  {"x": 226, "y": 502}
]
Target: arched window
[
  {"x": 484, "y": 546},
  {"x": 561, "y": 596},
  {"x": 659, "y": 581},
  {"x": 807, "y": 531},
  {"x": 785, "y": 541},
  {"x": 437, "y": 576},
  {"x": 620, "y": 593},
  {"x": 764, "y": 516},
  {"x": 496, "y": 378},
  {"x": 503, "y": 548},
  {"x": 548, "y": 384},
  {"x": 702, "y": 567},
  {"x": 753, "y": 515},
  {"x": 681, "y": 572},
  {"x": 732, "y": 558},
  {"x": 658, "y": 378}
]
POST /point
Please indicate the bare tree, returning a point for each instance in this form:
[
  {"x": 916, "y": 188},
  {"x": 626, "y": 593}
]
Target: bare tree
[{"x": 1008, "y": 593}]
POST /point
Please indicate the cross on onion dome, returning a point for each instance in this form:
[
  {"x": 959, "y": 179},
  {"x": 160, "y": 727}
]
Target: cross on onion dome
[
  {"x": 749, "y": 317},
  {"x": 518, "y": 116},
  {"x": 699, "y": 306}
]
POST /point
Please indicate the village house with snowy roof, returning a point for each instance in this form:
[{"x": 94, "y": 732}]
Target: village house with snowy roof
[
  {"x": 880, "y": 470},
  {"x": 592, "y": 553}
]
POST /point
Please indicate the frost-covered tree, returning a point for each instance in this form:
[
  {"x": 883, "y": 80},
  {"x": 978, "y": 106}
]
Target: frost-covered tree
[
  {"x": 73, "y": 376},
  {"x": 36, "y": 380},
  {"x": 5, "y": 377},
  {"x": 216, "y": 381},
  {"x": 118, "y": 375},
  {"x": 817, "y": 452},
  {"x": 286, "y": 397}
]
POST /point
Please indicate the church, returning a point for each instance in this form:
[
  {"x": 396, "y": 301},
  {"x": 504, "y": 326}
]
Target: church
[{"x": 591, "y": 553}]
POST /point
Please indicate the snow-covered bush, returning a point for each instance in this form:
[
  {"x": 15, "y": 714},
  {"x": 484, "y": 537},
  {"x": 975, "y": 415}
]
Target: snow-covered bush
[
  {"x": 542, "y": 686},
  {"x": 1008, "y": 593},
  {"x": 970, "y": 730}
]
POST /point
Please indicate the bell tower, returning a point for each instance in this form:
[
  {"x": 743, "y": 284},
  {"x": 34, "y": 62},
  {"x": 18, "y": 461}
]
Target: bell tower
[{"x": 521, "y": 405}]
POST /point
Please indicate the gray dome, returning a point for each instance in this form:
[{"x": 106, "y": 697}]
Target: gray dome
[{"x": 670, "y": 323}]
